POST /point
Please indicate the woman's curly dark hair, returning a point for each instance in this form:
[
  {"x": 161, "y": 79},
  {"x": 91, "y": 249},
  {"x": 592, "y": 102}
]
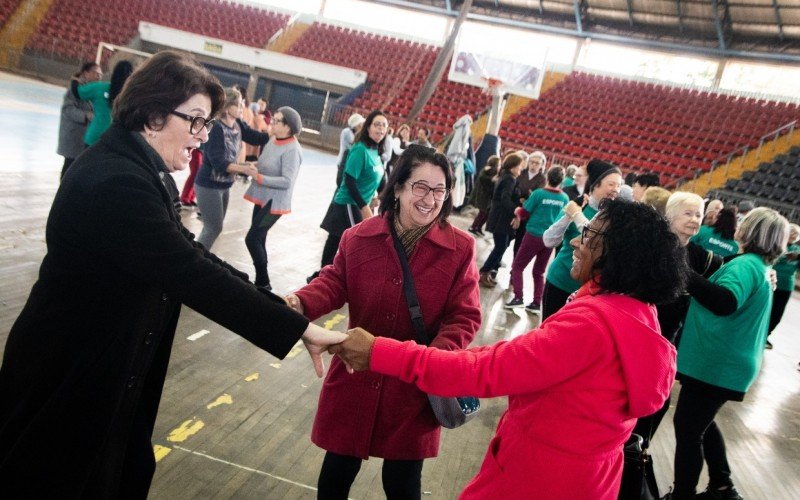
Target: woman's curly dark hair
[
  {"x": 641, "y": 256},
  {"x": 725, "y": 224}
]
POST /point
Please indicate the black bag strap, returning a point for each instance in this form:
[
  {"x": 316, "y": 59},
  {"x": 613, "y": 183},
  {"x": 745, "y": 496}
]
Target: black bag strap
[{"x": 409, "y": 290}]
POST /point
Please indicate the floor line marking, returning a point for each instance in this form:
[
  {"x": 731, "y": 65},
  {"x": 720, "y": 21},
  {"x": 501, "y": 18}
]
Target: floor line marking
[
  {"x": 197, "y": 335},
  {"x": 244, "y": 467}
]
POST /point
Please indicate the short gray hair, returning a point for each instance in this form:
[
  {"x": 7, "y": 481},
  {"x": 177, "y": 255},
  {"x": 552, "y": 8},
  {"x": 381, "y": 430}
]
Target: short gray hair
[
  {"x": 764, "y": 232},
  {"x": 678, "y": 200}
]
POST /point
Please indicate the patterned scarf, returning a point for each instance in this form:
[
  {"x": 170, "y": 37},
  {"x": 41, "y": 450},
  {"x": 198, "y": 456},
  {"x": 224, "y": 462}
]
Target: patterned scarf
[{"x": 410, "y": 237}]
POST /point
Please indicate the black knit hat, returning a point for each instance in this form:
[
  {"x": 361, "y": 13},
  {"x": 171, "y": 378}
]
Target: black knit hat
[{"x": 597, "y": 170}]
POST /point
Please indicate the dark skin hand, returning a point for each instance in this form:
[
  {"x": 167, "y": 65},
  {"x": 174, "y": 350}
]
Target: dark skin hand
[{"x": 356, "y": 350}]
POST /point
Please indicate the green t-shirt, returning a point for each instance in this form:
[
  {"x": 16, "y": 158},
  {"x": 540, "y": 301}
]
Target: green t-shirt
[
  {"x": 97, "y": 94},
  {"x": 544, "y": 205},
  {"x": 787, "y": 269},
  {"x": 712, "y": 241},
  {"x": 558, "y": 274},
  {"x": 568, "y": 181},
  {"x": 726, "y": 351},
  {"x": 365, "y": 166}
]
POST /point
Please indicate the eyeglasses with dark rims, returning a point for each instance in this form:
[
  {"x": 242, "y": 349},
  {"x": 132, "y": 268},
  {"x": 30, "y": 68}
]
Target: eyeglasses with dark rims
[
  {"x": 196, "y": 123},
  {"x": 421, "y": 190}
]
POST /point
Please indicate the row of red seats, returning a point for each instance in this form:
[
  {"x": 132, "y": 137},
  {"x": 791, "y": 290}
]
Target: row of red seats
[{"x": 7, "y": 7}]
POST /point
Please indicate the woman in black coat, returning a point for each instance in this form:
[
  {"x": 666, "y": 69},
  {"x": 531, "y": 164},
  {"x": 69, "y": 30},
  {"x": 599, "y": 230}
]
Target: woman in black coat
[
  {"x": 501, "y": 215},
  {"x": 85, "y": 361}
]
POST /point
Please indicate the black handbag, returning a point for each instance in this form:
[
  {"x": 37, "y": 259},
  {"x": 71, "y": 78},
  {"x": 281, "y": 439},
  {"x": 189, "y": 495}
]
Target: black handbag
[
  {"x": 638, "y": 478},
  {"x": 450, "y": 412}
]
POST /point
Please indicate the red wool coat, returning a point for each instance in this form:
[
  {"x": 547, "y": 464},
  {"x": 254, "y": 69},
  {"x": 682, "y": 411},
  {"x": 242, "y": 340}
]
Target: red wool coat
[
  {"x": 367, "y": 414},
  {"x": 575, "y": 387}
]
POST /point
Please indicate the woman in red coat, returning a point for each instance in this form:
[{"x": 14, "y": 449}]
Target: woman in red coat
[
  {"x": 368, "y": 415},
  {"x": 576, "y": 384}
]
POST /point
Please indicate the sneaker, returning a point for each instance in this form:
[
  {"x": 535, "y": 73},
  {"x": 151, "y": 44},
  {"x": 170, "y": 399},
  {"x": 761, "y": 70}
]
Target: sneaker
[
  {"x": 768, "y": 345},
  {"x": 514, "y": 303},
  {"x": 534, "y": 308},
  {"x": 486, "y": 281},
  {"x": 476, "y": 232},
  {"x": 726, "y": 494}
]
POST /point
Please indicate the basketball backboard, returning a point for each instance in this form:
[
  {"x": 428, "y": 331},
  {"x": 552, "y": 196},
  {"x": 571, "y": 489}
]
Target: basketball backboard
[{"x": 520, "y": 69}]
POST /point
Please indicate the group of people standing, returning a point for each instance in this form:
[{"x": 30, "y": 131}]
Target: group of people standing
[{"x": 628, "y": 303}]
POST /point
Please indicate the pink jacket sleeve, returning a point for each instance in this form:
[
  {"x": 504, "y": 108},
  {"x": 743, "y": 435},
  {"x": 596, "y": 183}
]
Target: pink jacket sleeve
[{"x": 567, "y": 344}]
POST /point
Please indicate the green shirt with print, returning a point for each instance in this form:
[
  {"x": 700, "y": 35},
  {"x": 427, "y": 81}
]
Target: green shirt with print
[
  {"x": 726, "y": 351},
  {"x": 97, "y": 94},
  {"x": 568, "y": 181},
  {"x": 364, "y": 164},
  {"x": 787, "y": 269},
  {"x": 544, "y": 205},
  {"x": 712, "y": 241},
  {"x": 558, "y": 274}
]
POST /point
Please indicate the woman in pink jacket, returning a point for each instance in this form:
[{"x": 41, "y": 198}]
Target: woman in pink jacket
[
  {"x": 576, "y": 384},
  {"x": 366, "y": 414}
]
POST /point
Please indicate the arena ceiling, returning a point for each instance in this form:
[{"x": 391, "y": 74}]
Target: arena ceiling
[{"x": 761, "y": 29}]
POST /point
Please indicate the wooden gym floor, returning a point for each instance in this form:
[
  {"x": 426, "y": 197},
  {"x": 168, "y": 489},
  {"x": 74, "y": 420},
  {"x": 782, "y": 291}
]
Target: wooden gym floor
[{"x": 234, "y": 422}]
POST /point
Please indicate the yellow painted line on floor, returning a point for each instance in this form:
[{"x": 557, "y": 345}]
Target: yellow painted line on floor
[
  {"x": 225, "y": 399},
  {"x": 297, "y": 349},
  {"x": 277, "y": 366},
  {"x": 251, "y": 377},
  {"x": 197, "y": 335},
  {"x": 160, "y": 452},
  {"x": 328, "y": 325},
  {"x": 185, "y": 430}
]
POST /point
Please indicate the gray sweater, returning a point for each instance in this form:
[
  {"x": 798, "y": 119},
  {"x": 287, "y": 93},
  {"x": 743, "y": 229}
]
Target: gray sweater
[
  {"x": 74, "y": 119},
  {"x": 278, "y": 167}
]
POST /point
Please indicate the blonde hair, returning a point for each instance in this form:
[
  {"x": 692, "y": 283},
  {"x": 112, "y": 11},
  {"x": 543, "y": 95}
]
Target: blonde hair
[
  {"x": 232, "y": 96},
  {"x": 657, "y": 197},
  {"x": 678, "y": 200},
  {"x": 796, "y": 229},
  {"x": 764, "y": 232}
]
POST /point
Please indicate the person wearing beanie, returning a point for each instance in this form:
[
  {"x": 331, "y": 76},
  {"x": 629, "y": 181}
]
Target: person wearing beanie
[
  {"x": 604, "y": 181},
  {"x": 346, "y": 139},
  {"x": 273, "y": 185}
]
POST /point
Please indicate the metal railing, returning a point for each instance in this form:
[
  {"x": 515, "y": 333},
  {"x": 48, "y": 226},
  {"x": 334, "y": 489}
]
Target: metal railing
[
  {"x": 741, "y": 153},
  {"x": 791, "y": 212}
]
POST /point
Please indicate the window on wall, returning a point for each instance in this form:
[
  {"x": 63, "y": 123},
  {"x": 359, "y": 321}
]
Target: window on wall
[
  {"x": 628, "y": 61},
  {"x": 388, "y": 19},
  {"x": 762, "y": 78}
]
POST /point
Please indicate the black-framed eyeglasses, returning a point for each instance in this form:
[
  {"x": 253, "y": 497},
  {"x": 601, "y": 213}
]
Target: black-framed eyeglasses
[
  {"x": 196, "y": 123},
  {"x": 421, "y": 190},
  {"x": 585, "y": 232}
]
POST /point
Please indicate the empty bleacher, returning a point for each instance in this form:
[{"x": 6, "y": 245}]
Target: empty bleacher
[
  {"x": 397, "y": 70},
  {"x": 643, "y": 126},
  {"x": 7, "y": 7},
  {"x": 73, "y": 28},
  {"x": 775, "y": 183}
]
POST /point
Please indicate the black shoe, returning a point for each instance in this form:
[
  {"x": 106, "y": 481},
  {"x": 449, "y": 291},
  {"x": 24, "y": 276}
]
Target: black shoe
[
  {"x": 493, "y": 274},
  {"x": 476, "y": 232},
  {"x": 534, "y": 308},
  {"x": 715, "y": 494},
  {"x": 768, "y": 345},
  {"x": 310, "y": 278},
  {"x": 514, "y": 303}
]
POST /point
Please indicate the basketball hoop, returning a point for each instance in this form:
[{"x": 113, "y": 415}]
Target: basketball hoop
[{"x": 493, "y": 86}]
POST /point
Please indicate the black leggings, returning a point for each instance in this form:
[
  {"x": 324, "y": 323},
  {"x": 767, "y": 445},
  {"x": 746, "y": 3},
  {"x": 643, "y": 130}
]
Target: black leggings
[
  {"x": 402, "y": 479},
  {"x": 779, "y": 300},
  {"x": 697, "y": 437},
  {"x": 256, "y": 240},
  {"x": 553, "y": 299}
]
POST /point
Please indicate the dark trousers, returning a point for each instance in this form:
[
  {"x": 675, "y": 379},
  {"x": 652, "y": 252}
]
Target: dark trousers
[
  {"x": 697, "y": 437},
  {"x": 647, "y": 426},
  {"x": 479, "y": 220},
  {"x": 501, "y": 241},
  {"x": 553, "y": 299},
  {"x": 65, "y": 167},
  {"x": 779, "y": 300},
  {"x": 329, "y": 250},
  {"x": 256, "y": 240},
  {"x": 518, "y": 236},
  {"x": 402, "y": 479}
]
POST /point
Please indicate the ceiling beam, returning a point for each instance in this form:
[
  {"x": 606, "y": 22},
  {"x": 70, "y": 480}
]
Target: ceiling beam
[
  {"x": 722, "y": 21},
  {"x": 576, "y": 4},
  {"x": 778, "y": 18},
  {"x": 679, "y": 12}
]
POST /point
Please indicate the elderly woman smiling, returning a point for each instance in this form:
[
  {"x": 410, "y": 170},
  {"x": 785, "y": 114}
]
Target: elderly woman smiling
[
  {"x": 87, "y": 357},
  {"x": 578, "y": 382}
]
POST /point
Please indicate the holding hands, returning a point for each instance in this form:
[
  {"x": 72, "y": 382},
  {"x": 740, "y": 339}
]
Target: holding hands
[
  {"x": 317, "y": 340},
  {"x": 356, "y": 349}
]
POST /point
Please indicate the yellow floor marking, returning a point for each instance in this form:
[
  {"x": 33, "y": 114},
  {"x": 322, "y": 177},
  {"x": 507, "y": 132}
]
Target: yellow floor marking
[
  {"x": 295, "y": 351},
  {"x": 160, "y": 451},
  {"x": 251, "y": 377},
  {"x": 277, "y": 366},
  {"x": 334, "y": 321},
  {"x": 185, "y": 430},
  {"x": 225, "y": 399}
]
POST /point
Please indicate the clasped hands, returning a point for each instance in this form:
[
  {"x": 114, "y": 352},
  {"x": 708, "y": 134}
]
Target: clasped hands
[{"x": 354, "y": 347}]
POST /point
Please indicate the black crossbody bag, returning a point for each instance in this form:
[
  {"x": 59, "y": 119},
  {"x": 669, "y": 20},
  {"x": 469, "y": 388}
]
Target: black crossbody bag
[{"x": 451, "y": 412}]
